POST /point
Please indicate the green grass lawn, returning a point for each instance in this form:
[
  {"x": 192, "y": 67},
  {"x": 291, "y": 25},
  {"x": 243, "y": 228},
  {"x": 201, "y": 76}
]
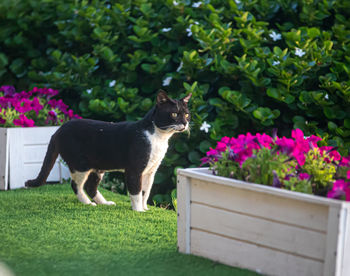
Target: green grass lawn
[{"x": 46, "y": 231}]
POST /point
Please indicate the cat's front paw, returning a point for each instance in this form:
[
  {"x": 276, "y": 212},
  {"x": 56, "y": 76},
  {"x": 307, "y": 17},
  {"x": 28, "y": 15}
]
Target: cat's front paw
[
  {"x": 138, "y": 209},
  {"x": 92, "y": 204},
  {"x": 145, "y": 208},
  {"x": 110, "y": 203}
]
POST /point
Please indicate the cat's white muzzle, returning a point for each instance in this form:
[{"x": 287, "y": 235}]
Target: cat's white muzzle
[{"x": 181, "y": 127}]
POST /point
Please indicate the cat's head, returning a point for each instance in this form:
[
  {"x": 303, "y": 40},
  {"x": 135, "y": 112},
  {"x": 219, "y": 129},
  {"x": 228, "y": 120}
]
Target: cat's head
[{"x": 170, "y": 114}]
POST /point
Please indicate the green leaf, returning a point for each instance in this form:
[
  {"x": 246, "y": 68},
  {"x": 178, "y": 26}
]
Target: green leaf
[
  {"x": 313, "y": 32},
  {"x": 332, "y": 126},
  {"x": 107, "y": 53},
  {"x": 181, "y": 147},
  {"x": 347, "y": 123},
  {"x": 329, "y": 112},
  {"x": 204, "y": 146},
  {"x": 273, "y": 93},
  {"x": 194, "y": 157},
  {"x": 3, "y": 60}
]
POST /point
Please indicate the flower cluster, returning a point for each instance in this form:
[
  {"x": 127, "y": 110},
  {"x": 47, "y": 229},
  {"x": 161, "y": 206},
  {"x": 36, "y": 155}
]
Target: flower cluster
[
  {"x": 297, "y": 163},
  {"x": 33, "y": 108}
]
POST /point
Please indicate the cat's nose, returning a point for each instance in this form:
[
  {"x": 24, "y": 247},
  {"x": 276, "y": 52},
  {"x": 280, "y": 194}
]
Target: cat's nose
[{"x": 181, "y": 127}]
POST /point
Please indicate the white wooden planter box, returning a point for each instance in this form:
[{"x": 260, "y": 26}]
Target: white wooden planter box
[
  {"x": 265, "y": 229},
  {"x": 22, "y": 151}
]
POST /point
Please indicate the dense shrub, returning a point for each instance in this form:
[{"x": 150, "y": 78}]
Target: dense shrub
[{"x": 251, "y": 65}]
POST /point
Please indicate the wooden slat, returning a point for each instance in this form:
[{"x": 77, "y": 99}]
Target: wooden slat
[
  {"x": 16, "y": 164},
  {"x": 38, "y": 135},
  {"x": 34, "y": 153},
  {"x": 332, "y": 241},
  {"x": 291, "y": 239},
  {"x": 279, "y": 209},
  {"x": 247, "y": 255},
  {"x": 183, "y": 214},
  {"x": 205, "y": 175},
  {"x": 3, "y": 159},
  {"x": 343, "y": 253},
  {"x": 31, "y": 171}
]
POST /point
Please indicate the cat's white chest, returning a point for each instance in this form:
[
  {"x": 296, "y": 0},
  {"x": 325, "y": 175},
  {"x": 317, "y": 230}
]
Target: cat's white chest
[{"x": 159, "y": 146}]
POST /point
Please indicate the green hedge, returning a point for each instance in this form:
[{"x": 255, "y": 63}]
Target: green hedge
[{"x": 251, "y": 65}]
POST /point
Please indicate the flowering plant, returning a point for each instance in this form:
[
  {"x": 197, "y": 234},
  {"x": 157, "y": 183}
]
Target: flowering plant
[
  {"x": 33, "y": 108},
  {"x": 297, "y": 163}
]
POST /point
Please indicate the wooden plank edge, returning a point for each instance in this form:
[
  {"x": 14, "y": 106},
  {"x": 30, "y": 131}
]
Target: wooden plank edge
[{"x": 199, "y": 173}]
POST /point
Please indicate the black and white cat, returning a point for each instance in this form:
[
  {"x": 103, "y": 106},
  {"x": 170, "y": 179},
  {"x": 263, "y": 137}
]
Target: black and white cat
[{"x": 90, "y": 148}]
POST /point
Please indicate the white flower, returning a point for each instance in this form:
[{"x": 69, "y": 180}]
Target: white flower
[
  {"x": 299, "y": 52},
  {"x": 326, "y": 96},
  {"x": 238, "y": 2},
  {"x": 180, "y": 67},
  {"x": 175, "y": 3},
  {"x": 112, "y": 83},
  {"x": 275, "y": 63},
  {"x": 205, "y": 127},
  {"x": 275, "y": 36},
  {"x": 189, "y": 31},
  {"x": 165, "y": 30},
  {"x": 197, "y": 4},
  {"x": 167, "y": 81},
  {"x": 88, "y": 91}
]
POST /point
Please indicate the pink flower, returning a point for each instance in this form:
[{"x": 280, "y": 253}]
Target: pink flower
[
  {"x": 58, "y": 104},
  {"x": 332, "y": 152},
  {"x": 345, "y": 162},
  {"x": 221, "y": 147},
  {"x": 340, "y": 189},
  {"x": 23, "y": 121},
  {"x": 297, "y": 134},
  {"x": 348, "y": 174},
  {"x": 225, "y": 140},
  {"x": 304, "y": 176},
  {"x": 36, "y": 106},
  {"x": 8, "y": 90},
  {"x": 265, "y": 140},
  {"x": 286, "y": 145},
  {"x": 314, "y": 139}
]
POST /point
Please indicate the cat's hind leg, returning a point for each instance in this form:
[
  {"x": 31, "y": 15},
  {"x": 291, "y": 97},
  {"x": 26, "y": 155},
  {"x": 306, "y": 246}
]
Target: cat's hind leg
[
  {"x": 78, "y": 181},
  {"x": 91, "y": 188}
]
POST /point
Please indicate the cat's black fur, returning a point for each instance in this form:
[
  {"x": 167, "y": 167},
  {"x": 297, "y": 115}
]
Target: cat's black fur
[{"x": 96, "y": 146}]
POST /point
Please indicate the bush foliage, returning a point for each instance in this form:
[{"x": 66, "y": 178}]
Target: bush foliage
[{"x": 251, "y": 65}]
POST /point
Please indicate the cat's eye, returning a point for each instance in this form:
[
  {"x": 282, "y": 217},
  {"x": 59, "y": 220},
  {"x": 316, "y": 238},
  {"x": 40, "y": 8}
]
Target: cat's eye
[
  {"x": 187, "y": 115},
  {"x": 174, "y": 115}
]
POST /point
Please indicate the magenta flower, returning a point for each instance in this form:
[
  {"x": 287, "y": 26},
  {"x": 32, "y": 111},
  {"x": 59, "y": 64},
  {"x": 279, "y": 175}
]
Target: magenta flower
[
  {"x": 8, "y": 90},
  {"x": 26, "y": 102},
  {"x": 340, "y": 189},
  {"x": 286, "y": 145},
  {"x": 265, "y": 140},
  {"x": 304, "y": 176},
  {"x": 314, "y": 139},
  {"x": 348, "y": 174},
  {"x": 225, "y": 140},
  {"x": 221, "y": 147},
  {"x": 23, "y": 121},
  {"x": 58, "y": 104}
]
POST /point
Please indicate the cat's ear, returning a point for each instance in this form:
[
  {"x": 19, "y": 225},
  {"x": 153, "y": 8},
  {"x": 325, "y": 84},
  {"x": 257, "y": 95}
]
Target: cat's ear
[
  {"x": 187, "y": 98},
  {"x": 162, "y": 97}
]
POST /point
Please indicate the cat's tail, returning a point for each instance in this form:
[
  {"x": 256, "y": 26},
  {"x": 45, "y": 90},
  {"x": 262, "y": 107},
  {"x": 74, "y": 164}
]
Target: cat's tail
[{"x": 49, "y": 162}]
